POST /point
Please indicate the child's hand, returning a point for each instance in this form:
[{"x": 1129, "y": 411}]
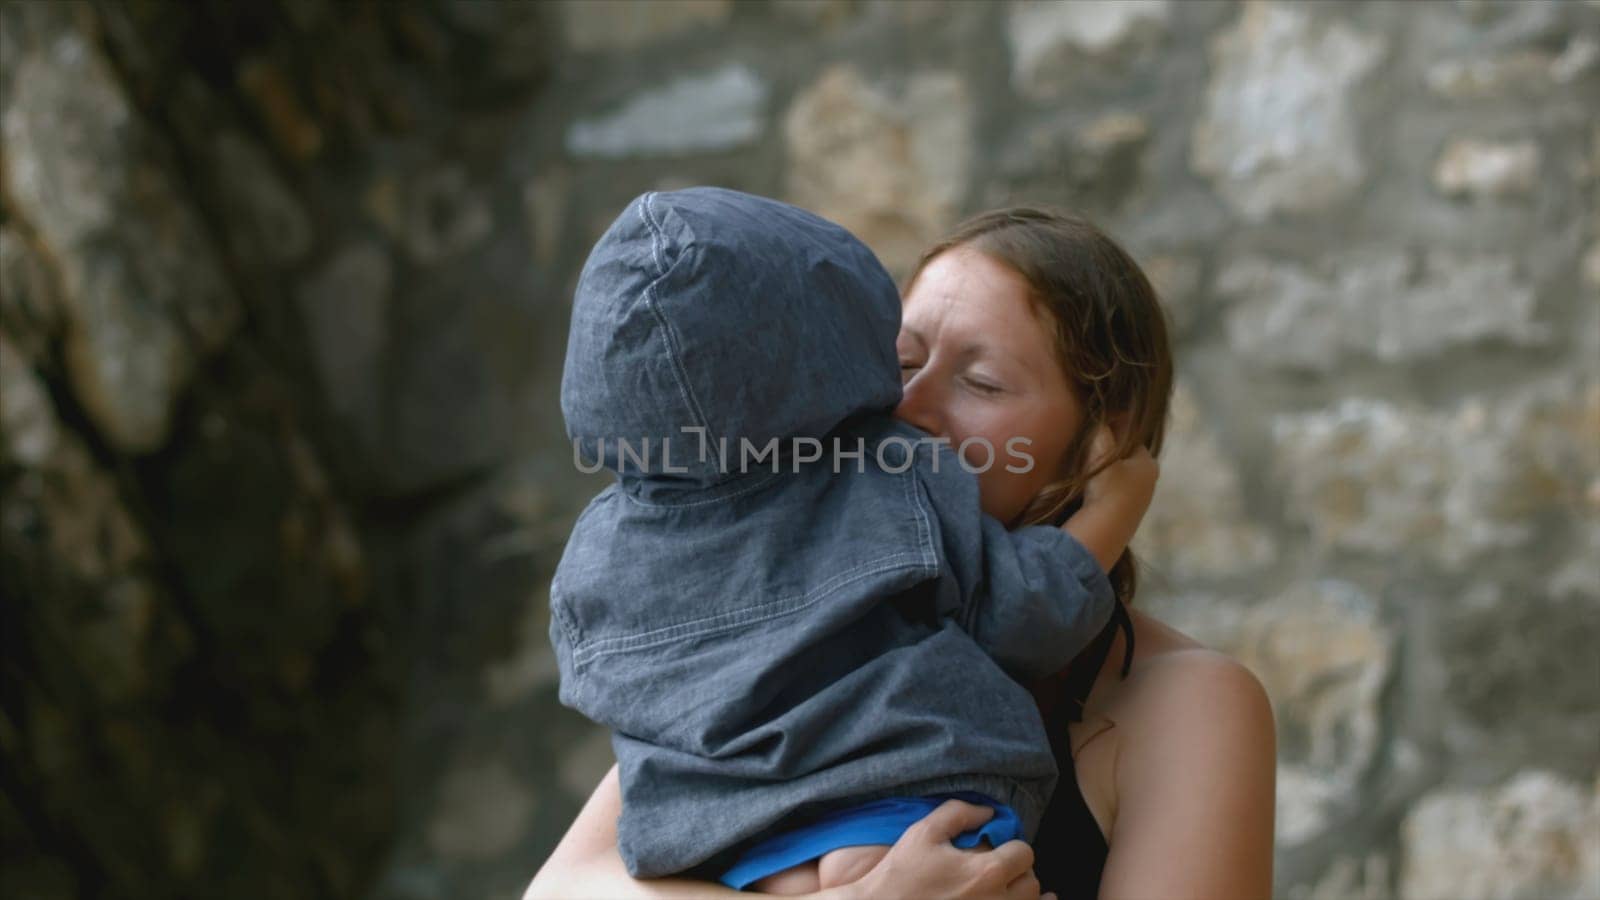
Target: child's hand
[
  {"x": 1114, "y": 501},
  {"x": 1130, "y": 480}
]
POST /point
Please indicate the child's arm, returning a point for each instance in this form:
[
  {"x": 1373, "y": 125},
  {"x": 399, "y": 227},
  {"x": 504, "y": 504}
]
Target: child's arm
[
  {"x": 1042, "y": 592},
  {"x": 1114, "y": 503}
]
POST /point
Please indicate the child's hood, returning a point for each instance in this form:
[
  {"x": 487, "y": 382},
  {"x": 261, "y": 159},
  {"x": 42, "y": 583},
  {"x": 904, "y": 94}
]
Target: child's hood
[{"x": 707, "y": 311}]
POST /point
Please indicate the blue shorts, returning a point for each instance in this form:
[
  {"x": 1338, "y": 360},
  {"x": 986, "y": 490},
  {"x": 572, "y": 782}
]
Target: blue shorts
[{"x": 878, "y": 822}]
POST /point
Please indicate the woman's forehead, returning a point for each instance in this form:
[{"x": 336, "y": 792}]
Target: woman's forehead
[
  {"x": 977, "y": 298},
  {"x": 970, "y": 273}
]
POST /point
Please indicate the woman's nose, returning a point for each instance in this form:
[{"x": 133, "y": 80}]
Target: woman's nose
[{"x": 919, "y": 406}]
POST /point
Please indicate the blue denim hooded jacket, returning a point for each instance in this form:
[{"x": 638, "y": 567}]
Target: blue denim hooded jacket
[{"x": 768, "y": 645}]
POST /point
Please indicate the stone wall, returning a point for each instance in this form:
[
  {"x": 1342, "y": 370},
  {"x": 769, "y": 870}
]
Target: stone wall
[{"x": 283, "y": 297}]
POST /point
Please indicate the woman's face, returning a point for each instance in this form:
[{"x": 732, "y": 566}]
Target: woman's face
[{"x": 977, "y": 362}]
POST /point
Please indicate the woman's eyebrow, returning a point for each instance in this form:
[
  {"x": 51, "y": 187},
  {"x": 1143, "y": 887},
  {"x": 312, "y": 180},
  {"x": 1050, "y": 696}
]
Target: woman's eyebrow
[
  {"x": 970, "y": 347},
  {"x": 998, "y": 352}
]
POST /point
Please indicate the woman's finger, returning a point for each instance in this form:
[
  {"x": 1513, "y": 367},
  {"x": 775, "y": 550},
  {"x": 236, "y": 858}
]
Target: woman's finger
[
  {"x": 1024, "y": 887},
  {"x": 949, "y": 819},
  {"x": 1015, "y": 858}
]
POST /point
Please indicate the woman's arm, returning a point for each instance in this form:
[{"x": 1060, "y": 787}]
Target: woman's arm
[
  {"x": 1195, "y": 774},
  {"x": 586, "y": 862},
  {"x": 921, "y": 865}
]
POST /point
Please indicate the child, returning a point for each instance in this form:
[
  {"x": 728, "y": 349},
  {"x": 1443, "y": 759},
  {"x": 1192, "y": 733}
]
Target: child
[{"x": 791, "y": 612}]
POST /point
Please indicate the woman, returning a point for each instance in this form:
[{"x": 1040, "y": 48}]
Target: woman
[{"x": 1030, "y": 323}]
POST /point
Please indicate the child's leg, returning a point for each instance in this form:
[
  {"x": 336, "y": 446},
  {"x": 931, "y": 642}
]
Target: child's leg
[
  {"x": 847, "y": 864},
  {"x": 801, "y": 879}
]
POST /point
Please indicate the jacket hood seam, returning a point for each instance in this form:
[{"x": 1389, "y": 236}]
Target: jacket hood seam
[{"x": 670, "y": 334}]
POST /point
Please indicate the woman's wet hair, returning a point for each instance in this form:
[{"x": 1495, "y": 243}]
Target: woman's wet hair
[{"x": 1110, "y": 337}]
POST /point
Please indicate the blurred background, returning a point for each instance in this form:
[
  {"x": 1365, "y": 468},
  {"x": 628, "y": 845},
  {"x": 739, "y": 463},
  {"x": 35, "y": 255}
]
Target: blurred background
[{"x": 283, "y": 302}]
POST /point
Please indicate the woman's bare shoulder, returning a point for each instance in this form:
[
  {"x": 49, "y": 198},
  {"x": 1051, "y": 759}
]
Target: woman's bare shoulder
[
  {"x": 1193, "y": 776},
  {"x": 1175, "y": 679}
]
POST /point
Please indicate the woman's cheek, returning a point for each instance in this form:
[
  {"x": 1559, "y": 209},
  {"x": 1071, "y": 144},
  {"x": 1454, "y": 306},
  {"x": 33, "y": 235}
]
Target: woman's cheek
[
  {"x": 978, "y": 452},
  {"x": 998, "y": 495}
]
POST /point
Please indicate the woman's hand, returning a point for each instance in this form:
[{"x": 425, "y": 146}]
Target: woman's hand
[{"x": 924, "y": 865}]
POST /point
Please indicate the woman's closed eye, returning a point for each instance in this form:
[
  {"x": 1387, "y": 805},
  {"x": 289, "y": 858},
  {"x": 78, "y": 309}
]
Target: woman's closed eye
[{"x": 984, "y": 387}]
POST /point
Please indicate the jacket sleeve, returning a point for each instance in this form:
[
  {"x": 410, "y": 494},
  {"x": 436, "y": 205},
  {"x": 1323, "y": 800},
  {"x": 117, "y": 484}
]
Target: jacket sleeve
[
  {"x": 1032, "y": 598},
  {"x": 1042, "y": 598}
]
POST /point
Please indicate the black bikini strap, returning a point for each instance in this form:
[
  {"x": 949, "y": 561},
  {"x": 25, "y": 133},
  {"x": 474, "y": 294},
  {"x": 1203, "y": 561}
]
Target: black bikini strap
[
  {"x": 1084, "y": 669},
  {"x": 1125, "y": 622}
]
